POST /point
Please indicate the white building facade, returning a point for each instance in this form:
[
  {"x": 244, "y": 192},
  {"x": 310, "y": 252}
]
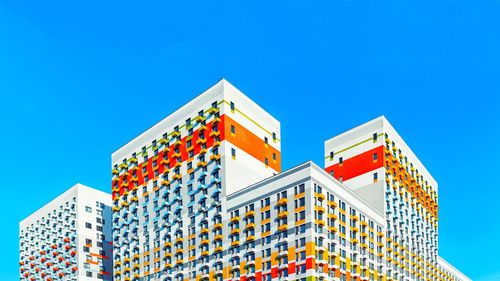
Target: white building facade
[
  {"x": 69, "y": 238},
  {"x": 303, "y": 225},
  {"x": 375, "y": 162},
  {"x": 170, "y": 184}
]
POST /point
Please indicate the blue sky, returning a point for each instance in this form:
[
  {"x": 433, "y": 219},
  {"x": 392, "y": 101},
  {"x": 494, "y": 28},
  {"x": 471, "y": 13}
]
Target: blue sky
[{"x": 78, "y": 80}]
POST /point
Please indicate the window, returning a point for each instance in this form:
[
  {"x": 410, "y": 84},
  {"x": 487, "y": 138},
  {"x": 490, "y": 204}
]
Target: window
[
  {"x": 341, "y": 160},
  {"x": 88, "y": 209},
  {"x": 266, "y": 141},
  {"x": 331, "y": 155},
  {"x": 233, "y": 129},
  {"x": 266, "y": 161},
  {"x": 375, "y": 137},
  {"x": 375, "y": 156},
  {"x": 375, "y": 177},
  {"x": 89, "y": 274},
  {"x": 265, "y": 202},
  {"x": 274, "y": 136},
  {"x": 88, "y": 225},
  {"x": 274, "y": 156},
  {"x": 300, "y": 189},
  {"x": 232, "y": 106},
  {"x": 233, "y": 152}
]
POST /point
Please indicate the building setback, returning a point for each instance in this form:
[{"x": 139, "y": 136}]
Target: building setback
[
  {"x": 201, "y": 196},
  {"x": 69, "y": 238}
]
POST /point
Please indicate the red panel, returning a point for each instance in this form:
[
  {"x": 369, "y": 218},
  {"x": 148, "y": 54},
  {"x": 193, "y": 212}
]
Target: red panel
[
  {"x": 291, "y": 267},
  {"x": 358, "y": 164},
  {"x": 182, "y": 150}
]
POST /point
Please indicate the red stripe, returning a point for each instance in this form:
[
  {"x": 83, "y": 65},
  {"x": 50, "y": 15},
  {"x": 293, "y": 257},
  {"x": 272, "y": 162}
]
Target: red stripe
[
  {"x": 184, "y": 155},
  {"x": 358, "y": 164}
]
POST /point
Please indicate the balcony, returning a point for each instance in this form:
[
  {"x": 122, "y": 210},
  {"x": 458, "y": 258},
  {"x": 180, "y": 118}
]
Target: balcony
[
  {"x": 234, "y": 219},
  {"x": 332, "y": 216},
  {"x": 282, "y": 201},
  {"x": 235, "y": 243},
  {"x": 319, "y": 209},
  {"x": 215, "y": 134},
  {"x": 283, "y": 227},
  {"x": 250, "y": 238},
  {"x": 320, "y": 196},
  {"x": 282, "y": 214},
  {"x": 250, "y": 213},
  {"x": 213, "y": 110},
  {"x": 250, "y": 225},
  {"x": 201, "y": 141},
  {"x": 199, "y": 118},
  {"x": 201, "y": 164}
]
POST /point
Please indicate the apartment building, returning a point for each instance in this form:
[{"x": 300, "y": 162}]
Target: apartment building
[
  {"x": 375, "y": 162},
  {"x": 170, "y": 184},
  {"x": 68, "y": 238},
  {"x": 303, "y": 225},
  {"x": 201, "y": 196}
]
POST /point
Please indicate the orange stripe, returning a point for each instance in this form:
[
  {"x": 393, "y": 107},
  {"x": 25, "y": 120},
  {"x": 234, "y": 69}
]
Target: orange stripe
[{"x": 252, "y": 144}]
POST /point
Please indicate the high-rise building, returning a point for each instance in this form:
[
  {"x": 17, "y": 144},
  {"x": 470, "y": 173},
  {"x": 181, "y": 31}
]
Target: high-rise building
[
  {"x": 375, "y": 162},
  {"x": 170, "y": 184},
  {"x": 69, "y": 238},
  {"x": 201, "y": 196}
]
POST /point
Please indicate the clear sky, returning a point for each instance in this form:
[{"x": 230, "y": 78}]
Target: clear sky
[{"x": 78, "y": 80}]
